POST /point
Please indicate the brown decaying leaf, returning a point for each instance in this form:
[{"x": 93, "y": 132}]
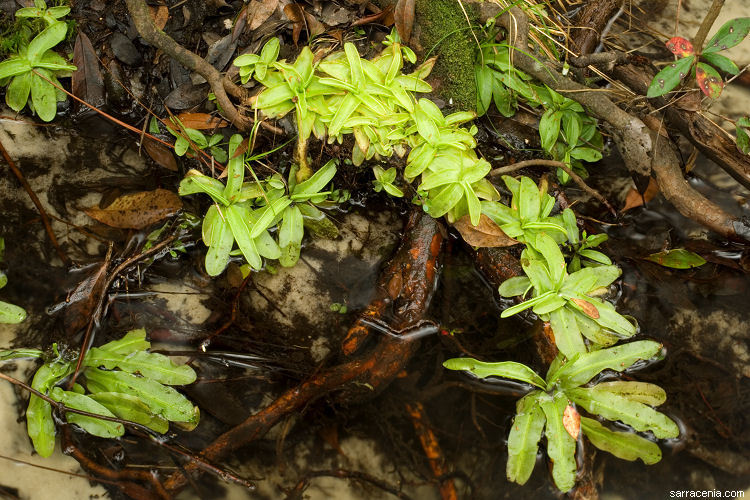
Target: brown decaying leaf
[
  {"x": 160, "y": 154},
  {"x": 572, "y": 421},
  {"x": 87, "y": 82},
  {"x": 484, "y": 234},
  {"x": 404, "y": 17},
  {"x": 384, "y": 17},
  {"x": 201, "y": 121},
  {"x": 589, "y": 309},
  {"x": 138, "y": 210},
  {"x": 83, "y": 300},
  {"x": 161, "y": 15},
  {"x": 296, "y": 14},
  {"x": 258, "y": 12},
  {"x": 635, "y": 199}
]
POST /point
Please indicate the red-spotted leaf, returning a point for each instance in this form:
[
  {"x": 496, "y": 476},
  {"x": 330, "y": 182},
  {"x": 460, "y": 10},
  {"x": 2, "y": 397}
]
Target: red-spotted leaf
[
  {"x": 743, "y": 135},
  {"x": 709, "y": 80},
  {"x": 680, "y": 47},
  {"x": 668, "y": 78},
  {"x": 721, "y": 62},
  {"x": 729, "y": 35}
]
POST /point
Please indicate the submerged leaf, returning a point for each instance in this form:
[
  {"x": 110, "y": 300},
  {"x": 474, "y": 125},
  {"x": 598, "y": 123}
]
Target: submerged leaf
[
  {"x": 138, "y": 210},
  {"x": 561, "y": 447},
  {"x": 677, "y": 258},
  {"x": 154, "y": 366},
  {"x": 95, "y": 426}
]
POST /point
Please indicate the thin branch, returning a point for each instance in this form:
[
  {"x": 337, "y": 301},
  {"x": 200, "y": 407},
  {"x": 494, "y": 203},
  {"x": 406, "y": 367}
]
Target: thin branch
[
  {"x": 144, "y": 23},
  {"x": 42, "y": 213},
  {"x": 303, "y": 483},
  {"x": 555, "y": 164},
  {"x": 708, "y": 21}
]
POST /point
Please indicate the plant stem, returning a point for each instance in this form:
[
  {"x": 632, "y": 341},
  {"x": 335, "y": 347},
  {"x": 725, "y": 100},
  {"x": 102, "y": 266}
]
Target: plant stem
[
  {"x": 708, "y": 21},
  {"x": 553, "y": 163},
  {"x": 304, "y": 171}
]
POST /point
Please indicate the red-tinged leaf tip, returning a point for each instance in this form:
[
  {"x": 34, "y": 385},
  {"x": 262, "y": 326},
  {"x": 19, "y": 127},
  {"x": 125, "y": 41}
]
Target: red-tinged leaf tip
[
  {"x": 709, "y": 80},
  {"x": 680, "y": 47},
  {"x": 572, "y": 421}
]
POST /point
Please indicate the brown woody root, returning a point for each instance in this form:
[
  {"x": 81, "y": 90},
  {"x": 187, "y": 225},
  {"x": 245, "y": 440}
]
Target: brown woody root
[
  {"x": 593, "y": 17},
  {"x": 417, "y": 261},
  {"x": 144, "y": 23},
  {"x": 432, "y": 450},
  {"x": 642, "y": 149}
]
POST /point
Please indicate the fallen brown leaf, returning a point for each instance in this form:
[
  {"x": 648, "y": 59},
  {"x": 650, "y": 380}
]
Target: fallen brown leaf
[
  {"x": 161, "y": 15},
  {"x": 258, "y": 12},
  {"x": 296, "y": 14},
  {"x": 138, "y": 210},
  {"x": 635, "y": 199},
  {"x": 160, "y": 154},
  {"x": 86, "y": 81},
  {"x": 201, "y": 121},
  {"x": 404, "y": 17},
  {"x": 485, "y": 234},
  {"x": 83, "y": 300},
  {"x": 383, "y": 17}
]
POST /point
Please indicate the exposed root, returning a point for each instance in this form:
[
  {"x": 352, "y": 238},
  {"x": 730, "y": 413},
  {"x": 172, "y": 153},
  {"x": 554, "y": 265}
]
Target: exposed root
[
  {"x": 38, "y": 204},
  {"x": 432, "y": 450},
  {"x": 144, "y": 23},
  {"x": 374, "y": 368}
]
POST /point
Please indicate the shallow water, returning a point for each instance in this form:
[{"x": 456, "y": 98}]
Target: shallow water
[{"x": 286, "y": 329}]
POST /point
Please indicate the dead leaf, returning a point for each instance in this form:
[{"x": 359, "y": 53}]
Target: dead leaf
[
  {"x": 572, "y": 421},
  {"x": 589, "y": 309},
  {"x": 485, "y": 234},
  {"x": 240, "y": 23},
  {"x": 404, "y": 17},
  {"x": 201, "y": 121},
  {"x": 635, "y": 199},
  {"x": 384, "y": 17},
  {"x": 160, "y": 15},
  {"x": 138, "y": 210},
  {"x": 296, "y": 14},
  {"x": 87, "y": 81},
  {"x": 82, "y": 301},
  {"x": 258, "y": 12},
  {"x": 160, "y": 154}
]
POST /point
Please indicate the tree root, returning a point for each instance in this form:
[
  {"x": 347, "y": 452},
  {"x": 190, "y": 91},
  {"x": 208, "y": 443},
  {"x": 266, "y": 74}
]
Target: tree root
[
  {"x": 374, "y": 368},
  {"x": 432, "y": 450},
  {"x": 144, "y": 23}
]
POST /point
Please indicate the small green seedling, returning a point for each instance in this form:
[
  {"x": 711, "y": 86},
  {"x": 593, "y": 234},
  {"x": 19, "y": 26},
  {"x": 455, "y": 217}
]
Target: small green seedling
[
  {"x": 551, "y": 408},
  {"x": 32, "y": 73}
]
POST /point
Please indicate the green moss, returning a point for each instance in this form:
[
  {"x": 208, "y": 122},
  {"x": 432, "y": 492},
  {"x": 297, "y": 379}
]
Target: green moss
[{"x": 453, "y": 74}]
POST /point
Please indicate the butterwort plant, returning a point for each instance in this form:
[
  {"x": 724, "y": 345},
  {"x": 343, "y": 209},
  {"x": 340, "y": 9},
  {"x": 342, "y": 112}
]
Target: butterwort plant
[
  {"x": 551, "y": 409},
  {"x": 121, "y": 379}
]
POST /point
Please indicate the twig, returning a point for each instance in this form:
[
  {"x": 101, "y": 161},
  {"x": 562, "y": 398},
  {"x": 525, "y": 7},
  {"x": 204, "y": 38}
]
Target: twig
[
  {"x": 42, "y": 213},
  {"x": 303, "y": 483},
  {"x": 59, "y": 471},
  {"x": 708, "y": 21},
  {"x": 555, "y": 164}
]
